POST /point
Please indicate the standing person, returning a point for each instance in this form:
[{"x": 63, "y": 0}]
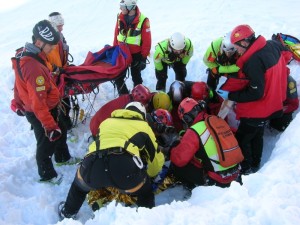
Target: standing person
[
  {"x": 133, "y": 28},
  {"x": 58, "y": 57},
  {"x": 264, "y": 64},
  {"x": 220, "y": 58},
  {"x": 41, "y": 100},
  {"x": 195, "y": 159},
  {"x": 174, "y": 52},
  {"x": 124, "y": 156}
]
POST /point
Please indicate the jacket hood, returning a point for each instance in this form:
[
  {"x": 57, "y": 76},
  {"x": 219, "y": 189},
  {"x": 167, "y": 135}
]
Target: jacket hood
[{"x": 126, "y": 114}]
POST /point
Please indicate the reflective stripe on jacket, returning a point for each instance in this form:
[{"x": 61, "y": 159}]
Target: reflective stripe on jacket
[{"x": 133, "y": 36}]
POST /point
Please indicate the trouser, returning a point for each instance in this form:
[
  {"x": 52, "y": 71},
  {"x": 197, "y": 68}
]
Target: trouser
[
  {"x": 212, "y": 79},
  {"x": 45, "y": 148},
  {"x": 109, "y": 170},
  {"x": 162, "y": 76},
  {"x": 65, "y": 113},
  {"x": 190, "y": 175},
  {"x": 135, "y": 71},
  {"x": 250, "y": 139},
  {"x": 282, "y": 122}
]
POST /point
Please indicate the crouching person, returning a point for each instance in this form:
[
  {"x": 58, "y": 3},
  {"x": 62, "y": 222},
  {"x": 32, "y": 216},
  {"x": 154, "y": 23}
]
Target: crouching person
[
  {"x": 124, "y": 156},
  {"x": 196, "y": 159}
]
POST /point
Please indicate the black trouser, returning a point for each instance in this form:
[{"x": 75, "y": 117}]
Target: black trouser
[
  {"x": 212, "y": 79},
  {"x": 190, "y": 175},
  {"x": 45, "y": 148},
  {"x": 162, "y": 76},
  {"x": 282, "y": 122},
  {"x": 65, "y": 113},
  {"x": 250, "y": 139},
  {"x": 135, "y": 71},
  {"x": 111, "y": 170}
]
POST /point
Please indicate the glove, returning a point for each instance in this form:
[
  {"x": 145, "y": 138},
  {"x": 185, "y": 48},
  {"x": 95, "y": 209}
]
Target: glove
[
  {"x": 20, "y": 112},
  {"x": 202, "y": 104},
  {"x": 223, "y": 94},
  {"x": 53, "y": 134},
  {"x": 170, "y": 139},
  {"x": 215, "y": 71},
  {"x": 57, "y": 71}
]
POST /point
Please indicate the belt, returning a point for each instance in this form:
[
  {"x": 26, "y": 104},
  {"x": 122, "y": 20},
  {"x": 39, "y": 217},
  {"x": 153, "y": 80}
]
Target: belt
[{"x": 110, "y": 151}]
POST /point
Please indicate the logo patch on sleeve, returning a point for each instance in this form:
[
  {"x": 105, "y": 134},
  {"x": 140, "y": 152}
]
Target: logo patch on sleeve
[
  {"x": 40, "y": 88},
  {"x": 40, "y": 80}
]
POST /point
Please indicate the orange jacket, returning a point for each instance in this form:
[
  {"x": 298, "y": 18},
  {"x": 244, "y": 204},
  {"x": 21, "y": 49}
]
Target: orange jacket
[{"x": 36, "y": 90}]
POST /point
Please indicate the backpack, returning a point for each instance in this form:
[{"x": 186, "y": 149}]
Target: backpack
[
  {"x": 291, "y": 42},
  {"x": 228, "y": 149}
]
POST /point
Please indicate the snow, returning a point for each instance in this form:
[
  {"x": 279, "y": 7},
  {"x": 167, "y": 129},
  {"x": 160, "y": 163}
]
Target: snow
[{"x": 270, "y": 196}]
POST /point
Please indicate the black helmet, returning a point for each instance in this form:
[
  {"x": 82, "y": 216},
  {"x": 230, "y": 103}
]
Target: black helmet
[
  {"x": 44, "y": 31},
  {"x": 176, "y": 91}
]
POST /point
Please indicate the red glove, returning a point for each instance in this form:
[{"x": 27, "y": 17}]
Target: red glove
[{"x": 53, "y": 134}]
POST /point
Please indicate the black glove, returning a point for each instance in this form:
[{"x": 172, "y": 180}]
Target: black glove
[
  {"x": 170, "y": 139},
  {"x": 53, "y": 134},
  {"x": 56, "y": 71},
  {"x": 20, "y": 112},
  {"x": 172, "y": 57}
]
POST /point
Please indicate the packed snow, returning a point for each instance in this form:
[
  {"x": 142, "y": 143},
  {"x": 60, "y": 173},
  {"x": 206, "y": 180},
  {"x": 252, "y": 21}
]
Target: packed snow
[{"x": 270, "y": 196}]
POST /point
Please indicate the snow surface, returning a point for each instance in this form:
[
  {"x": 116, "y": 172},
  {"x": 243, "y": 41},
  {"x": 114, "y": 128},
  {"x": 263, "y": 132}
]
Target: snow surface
[{"x": 271, "y": 196}]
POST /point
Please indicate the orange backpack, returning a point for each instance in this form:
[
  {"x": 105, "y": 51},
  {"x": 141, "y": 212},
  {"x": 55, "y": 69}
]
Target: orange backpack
[{"x": 229, "y": 151}]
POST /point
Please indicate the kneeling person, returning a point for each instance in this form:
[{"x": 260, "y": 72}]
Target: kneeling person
[{"x": 116, "y": 159}]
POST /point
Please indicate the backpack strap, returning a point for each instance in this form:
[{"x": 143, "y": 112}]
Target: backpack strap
[
  {"x": 29, "y": 54},
  {"x": 201, "y": 154}
]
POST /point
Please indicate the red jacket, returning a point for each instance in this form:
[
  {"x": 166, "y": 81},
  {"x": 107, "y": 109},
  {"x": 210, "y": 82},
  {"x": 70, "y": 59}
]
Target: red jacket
[
  {"x": 105, "y": 111},
  {"x": 264, "y": 64},
  {"x": 184, "y": 153},
  {"x": 145, "y": 47},
  {"x": 36, "y": 90}
]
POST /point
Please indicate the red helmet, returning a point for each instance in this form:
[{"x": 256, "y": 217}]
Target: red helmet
[
  {"x": 200, "y": 91},
  {"x": 241, "y": 32},
  {"x": 162, "y": 116},
  {"x": 141, "y": 94},
  {"x": 186, "y": 106}
]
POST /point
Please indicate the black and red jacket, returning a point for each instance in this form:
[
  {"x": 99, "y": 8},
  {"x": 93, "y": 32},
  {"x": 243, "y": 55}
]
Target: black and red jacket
[{"x": 264, "y": 65}]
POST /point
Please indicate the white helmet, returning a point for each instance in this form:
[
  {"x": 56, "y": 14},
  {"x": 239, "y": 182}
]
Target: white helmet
[
  {"x": 128, "y": 4},
  {"x": 177, "y": 41},
  {"x": 137, "y": 106},
  {"x": 226, "y": 45},
  {"x": 56, "y": 18}
]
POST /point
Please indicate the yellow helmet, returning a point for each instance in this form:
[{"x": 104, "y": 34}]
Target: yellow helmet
[{"x": 161, "y": 100}]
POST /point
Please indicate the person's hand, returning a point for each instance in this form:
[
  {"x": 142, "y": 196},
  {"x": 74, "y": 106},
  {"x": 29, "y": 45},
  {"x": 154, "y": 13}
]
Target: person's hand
[
  {"x": 223, "y": 94},
  {"x": 57, "y": 71},
  {"x": 215, "y": 71},
  {"x": 19, "y": 110},
  {"x": 53, "y": 134}
]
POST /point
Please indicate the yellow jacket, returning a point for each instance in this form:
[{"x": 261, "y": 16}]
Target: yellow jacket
[{"x": 127, "y": 129}]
